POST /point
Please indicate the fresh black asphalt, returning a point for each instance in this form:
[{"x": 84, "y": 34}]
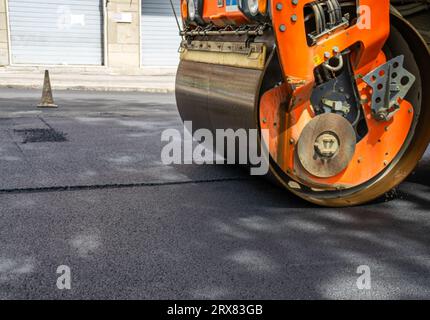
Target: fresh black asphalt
[{"x": 83, "y": 186}]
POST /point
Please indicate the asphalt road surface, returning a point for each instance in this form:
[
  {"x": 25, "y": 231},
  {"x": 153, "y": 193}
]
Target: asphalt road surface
[{"x": 83, "y": 186}]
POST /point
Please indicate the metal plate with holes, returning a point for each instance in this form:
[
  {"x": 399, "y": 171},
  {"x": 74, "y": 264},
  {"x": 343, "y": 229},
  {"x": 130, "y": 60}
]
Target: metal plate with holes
[
  {"x": 390, "y": 84},
  {"x": 224, "y": 47},
  {"x": 326, "y": 145}
]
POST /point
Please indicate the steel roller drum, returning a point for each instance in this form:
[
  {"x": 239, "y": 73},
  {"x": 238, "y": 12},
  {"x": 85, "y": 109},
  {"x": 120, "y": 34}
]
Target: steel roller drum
[{"x": 217, "y": 96}]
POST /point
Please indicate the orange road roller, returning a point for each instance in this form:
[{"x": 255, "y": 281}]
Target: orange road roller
[{"x": 341, "y": 88}]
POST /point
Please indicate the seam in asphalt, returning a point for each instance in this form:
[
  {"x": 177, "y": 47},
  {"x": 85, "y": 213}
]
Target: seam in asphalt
[
  {"x": 9, "y": 133},
  {"x": 45, "y": 122},
  {"x": 114, "y": 186}
]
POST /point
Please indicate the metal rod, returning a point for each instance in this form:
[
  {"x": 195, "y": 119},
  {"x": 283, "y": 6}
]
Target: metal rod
[
  {"x": 214, "y": 33},
  {"x": 176, "y": 18}
]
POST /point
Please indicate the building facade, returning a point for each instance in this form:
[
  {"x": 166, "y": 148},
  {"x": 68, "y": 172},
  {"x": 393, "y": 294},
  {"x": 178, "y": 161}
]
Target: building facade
[{"x": 120, "y": 34}]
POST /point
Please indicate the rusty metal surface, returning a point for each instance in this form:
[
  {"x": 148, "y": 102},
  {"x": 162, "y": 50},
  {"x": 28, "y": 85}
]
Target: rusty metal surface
[
  {"x": 234, "y": 54},
  {"x": 326, "y": 145}
]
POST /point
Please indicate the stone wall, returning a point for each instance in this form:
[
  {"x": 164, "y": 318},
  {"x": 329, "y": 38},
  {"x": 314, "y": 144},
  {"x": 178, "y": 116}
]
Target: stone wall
[{"x": 123, "y": 38}]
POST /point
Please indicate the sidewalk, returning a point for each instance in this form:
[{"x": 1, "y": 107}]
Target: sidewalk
[{"x": 90, "y": 78}]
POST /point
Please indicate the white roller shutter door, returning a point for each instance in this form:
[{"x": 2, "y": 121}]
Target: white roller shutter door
[
  {"x": 68, "y": 32},
  {"x": 159, "y": 33}
]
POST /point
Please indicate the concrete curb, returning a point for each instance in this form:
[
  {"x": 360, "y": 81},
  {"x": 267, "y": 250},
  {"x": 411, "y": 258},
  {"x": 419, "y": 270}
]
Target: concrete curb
[
  {"x": 92, "y": 88},
  {"x": 155, "y": 80}
]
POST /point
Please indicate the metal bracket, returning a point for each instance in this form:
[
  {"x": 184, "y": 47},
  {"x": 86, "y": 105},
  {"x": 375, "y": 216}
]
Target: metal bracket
[
  {"x": 212, "y": 30},
  {"x": 224, "y": 47},
  {"x": 390, "y": 84},
  {"x": 316, "y": 37},
  {"x": 337, "y": 106}
]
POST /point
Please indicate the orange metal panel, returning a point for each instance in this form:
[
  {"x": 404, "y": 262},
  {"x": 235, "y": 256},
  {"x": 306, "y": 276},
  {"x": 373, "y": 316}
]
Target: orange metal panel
[
  {"x": 217, "y": 15},
  {"x": 286, "y": 110},
  {"x": 220, "y": 16}
]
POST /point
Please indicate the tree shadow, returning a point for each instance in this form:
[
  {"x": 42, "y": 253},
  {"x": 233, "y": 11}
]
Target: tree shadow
[{"x": 282, "y": 248}]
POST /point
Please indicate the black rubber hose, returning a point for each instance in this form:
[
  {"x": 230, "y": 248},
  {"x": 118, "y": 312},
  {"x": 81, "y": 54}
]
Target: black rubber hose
[
  {"x": 331, "y": 13},
  {"x": 338, "y": 10},
  {"x": 318, "y": 22}
]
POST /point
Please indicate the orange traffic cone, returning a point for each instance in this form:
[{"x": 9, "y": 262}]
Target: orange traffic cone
[{"x": 47, "y": 98}]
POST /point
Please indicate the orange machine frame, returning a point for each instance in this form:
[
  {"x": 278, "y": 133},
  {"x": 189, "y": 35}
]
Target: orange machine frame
[
  {"x": 298, "y": 61},
  {"x": 290, "y": 104}
]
